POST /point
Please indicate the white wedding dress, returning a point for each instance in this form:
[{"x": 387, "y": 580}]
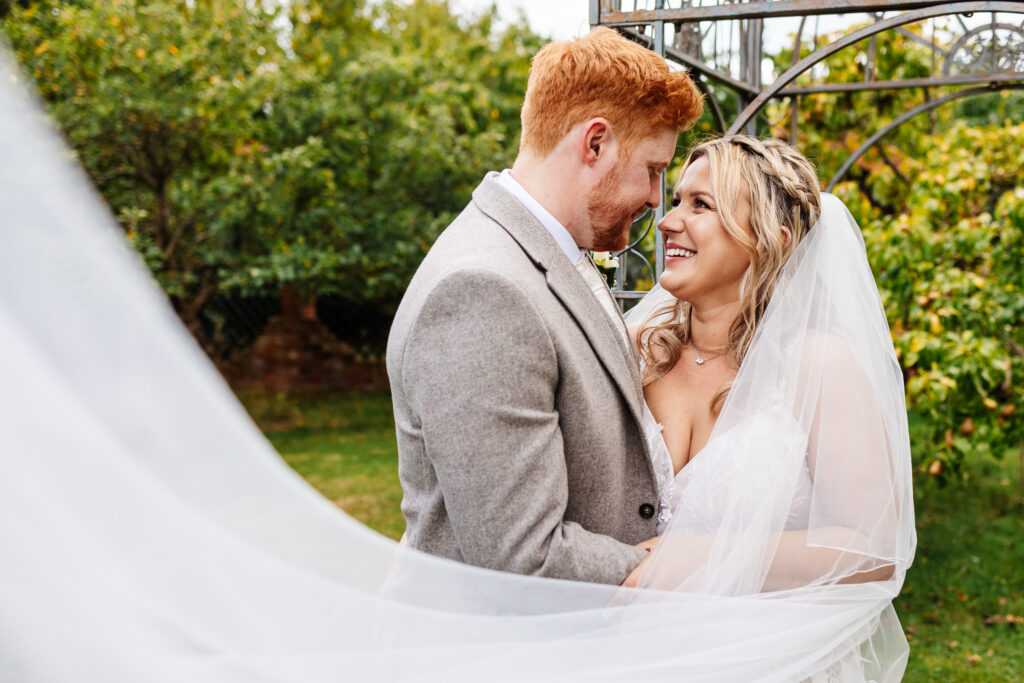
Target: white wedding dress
[
  {"x": 148, "y": 532},
  {"x": 717, "y": 468}
]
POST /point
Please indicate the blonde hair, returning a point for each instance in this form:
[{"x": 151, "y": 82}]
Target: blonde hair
[
  {"x": 604, "y": 74},
  {"x": 783, "y": 191}
]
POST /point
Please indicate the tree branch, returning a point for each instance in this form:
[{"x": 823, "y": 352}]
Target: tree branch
[
  {"x": 890, "y": 164},
  {"x": 862, "y": 182}
]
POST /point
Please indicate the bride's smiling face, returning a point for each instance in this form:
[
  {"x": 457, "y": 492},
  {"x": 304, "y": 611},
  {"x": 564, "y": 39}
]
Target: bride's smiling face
[{"x": 704, "y": 264}]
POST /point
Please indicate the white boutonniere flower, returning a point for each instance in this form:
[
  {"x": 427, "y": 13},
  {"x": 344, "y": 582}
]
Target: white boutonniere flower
[{"x": 604, "y": 260}]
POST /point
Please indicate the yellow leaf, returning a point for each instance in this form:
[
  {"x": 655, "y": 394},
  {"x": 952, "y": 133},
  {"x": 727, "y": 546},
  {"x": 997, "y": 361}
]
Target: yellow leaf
[
  {"x": 42, "y": 48},
  {"x": 173, "y": 49},
  {"x": 115, "y": 21},
  {"x": 140, "y": 53}
]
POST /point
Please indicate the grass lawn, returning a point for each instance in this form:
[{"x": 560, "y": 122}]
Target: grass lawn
[
  {"x": 966, "y": 587},
  {"x": 963, "y": 596},
  {"x": 344, "y": 446}
]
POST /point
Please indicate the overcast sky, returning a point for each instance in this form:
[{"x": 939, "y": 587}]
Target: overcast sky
[
  {"x": 559, "y": 19},
  {"x": 556, "y": 19}
]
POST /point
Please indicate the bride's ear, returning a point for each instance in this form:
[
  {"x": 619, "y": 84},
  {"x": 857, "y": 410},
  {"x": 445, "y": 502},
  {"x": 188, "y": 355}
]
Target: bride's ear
[{"x": 786, "y": 234}]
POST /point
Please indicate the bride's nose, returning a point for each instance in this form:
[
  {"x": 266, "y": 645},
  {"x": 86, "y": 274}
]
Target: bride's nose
[{"x": 672, "y": 221}]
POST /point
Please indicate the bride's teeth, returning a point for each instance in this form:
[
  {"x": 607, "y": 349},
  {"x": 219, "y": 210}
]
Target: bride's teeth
[{"x": 686, "y": 253}]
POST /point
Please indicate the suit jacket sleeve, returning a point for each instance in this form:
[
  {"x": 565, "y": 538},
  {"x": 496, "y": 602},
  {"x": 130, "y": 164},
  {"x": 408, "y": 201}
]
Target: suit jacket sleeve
[{"x": 481, "y": 372}]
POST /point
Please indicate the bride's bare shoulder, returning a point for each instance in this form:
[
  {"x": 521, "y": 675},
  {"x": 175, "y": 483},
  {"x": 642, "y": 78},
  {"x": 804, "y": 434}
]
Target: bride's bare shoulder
[{"x": 826, "y": 354}]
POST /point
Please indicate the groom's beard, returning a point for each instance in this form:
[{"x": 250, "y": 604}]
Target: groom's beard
[{"x": 609, "y": 220}]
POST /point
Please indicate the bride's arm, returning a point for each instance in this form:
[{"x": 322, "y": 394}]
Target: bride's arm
[
  {"x": 854, "y": 507},
  {"x": 798, "y": 563}
]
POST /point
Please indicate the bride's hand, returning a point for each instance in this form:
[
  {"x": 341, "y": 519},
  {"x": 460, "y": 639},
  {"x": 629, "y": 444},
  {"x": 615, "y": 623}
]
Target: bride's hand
[
  {"x": 649, "y": 544},
  {"x": 634, "y": 576}
]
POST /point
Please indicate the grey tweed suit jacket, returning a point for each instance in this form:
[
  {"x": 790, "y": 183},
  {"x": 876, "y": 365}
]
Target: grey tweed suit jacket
[{"x": 518, "y": 406}]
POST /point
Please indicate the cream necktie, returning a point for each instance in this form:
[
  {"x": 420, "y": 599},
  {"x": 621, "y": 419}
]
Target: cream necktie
[{"x": 599, "y": 287}]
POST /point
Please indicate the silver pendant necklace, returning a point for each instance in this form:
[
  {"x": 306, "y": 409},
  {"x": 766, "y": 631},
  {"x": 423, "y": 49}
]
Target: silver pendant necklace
[{"x": 697, "y": 358}]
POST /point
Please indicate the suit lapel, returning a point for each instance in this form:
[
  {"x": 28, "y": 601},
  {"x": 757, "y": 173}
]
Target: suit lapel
[{"x": 619, "y": 360}]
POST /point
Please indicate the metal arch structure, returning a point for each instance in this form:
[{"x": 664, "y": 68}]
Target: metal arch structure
[
  {"x": 896, "y": 123},
  {"x": 722, "y": 44},
  {"x": 859, "y": 35}
]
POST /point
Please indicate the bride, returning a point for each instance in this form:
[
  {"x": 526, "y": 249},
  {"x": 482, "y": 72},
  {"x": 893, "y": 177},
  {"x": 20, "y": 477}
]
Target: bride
[
  {"x": 813, "y": 438},
  {"x": 149, "y": 532}
]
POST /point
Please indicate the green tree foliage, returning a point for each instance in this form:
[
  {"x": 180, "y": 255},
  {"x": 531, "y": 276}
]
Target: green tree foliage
[
  {"x": 159, "y": 100},
  {"x": 833, "y": 125},
  {"x": 948, "y": 267},
  {"x": 411, "y": 112},
  {"x": 245, "y": 147},
  {"x": 7, "y": 5},
  {"x": 941, "y": 204}
]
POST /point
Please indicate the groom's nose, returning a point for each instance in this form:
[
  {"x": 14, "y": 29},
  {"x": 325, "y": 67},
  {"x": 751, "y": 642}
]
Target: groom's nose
[{"x": 655, "y": 197}]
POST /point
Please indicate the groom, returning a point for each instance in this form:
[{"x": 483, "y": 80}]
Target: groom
[{"x": 516, "y": 390}]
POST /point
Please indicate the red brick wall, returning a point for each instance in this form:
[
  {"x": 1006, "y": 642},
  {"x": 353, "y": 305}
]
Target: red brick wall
[{"x": 297, "y": 354}]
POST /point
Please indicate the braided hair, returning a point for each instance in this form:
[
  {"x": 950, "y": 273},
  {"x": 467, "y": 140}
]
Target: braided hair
[{"x": 783, "y": 190}]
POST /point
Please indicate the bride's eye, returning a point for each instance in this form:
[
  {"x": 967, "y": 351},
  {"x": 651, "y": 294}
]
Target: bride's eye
[
  {"x": 700, "y": 204},
  {"x": 675, "y": 202}
]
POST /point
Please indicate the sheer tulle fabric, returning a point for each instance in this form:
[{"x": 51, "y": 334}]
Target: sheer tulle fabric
[
  {"x": 806, "y": 473},
  {"x": 149, "y": 532}
]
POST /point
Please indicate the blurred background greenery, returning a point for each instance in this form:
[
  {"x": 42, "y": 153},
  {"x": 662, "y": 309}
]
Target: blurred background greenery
[{"x": 313, "y": 150}]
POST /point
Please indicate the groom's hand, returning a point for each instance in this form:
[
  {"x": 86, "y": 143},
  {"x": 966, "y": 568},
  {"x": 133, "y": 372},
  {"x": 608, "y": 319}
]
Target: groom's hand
[{"x": 634, "y": 576}]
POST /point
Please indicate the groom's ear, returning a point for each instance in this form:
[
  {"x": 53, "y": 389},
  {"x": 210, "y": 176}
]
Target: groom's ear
[{"x": 596, "y": 140}]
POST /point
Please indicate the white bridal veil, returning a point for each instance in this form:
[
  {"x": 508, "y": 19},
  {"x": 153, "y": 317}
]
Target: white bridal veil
[{"x": 148, "y": 532}]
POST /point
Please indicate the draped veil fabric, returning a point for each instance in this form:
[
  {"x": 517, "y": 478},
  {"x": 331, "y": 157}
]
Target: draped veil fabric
[
  {"x": 804, "y": 487},
  {"x": 149, "y": 532}
]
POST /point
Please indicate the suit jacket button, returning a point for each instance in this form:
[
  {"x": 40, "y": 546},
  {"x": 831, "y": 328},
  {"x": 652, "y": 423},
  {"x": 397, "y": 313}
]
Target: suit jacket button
[{"x": 646, "y": 510}]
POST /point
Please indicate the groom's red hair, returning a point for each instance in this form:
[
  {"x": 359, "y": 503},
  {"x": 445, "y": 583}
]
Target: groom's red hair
[{"x": 604, "y": 74}]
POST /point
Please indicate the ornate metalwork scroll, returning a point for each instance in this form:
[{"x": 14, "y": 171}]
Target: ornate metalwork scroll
[{"x": 722, "y": 44}]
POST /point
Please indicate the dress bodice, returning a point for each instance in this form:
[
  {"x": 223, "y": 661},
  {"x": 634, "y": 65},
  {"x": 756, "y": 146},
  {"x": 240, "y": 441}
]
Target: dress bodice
[
  {"x": 664, "y": 472},
  {"x": 695, "y": 493}
]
